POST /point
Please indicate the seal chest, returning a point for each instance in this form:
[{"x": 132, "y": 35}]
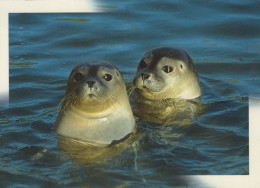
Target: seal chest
[
  {"x": 167, "y": 73},
  {"x": 95, "y": 107}
]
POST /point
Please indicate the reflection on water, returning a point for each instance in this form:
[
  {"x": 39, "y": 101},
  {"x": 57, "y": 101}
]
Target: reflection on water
[
  {"x": 23, "y": 64},
  {"x": 90, "y": 153},
  {"x": 168, "y": 111},
  {"x": 106, "y": 6},
  {"x": 223, "y": 39}
]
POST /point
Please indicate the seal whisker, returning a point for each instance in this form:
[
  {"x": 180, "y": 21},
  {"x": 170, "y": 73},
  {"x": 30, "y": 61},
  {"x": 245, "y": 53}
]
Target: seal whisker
[
  {"x": 131, "y": 90},
  {"x": 111, "y": 102},
  {"x": 164, "y": 100},
  {"x": 64, "y": 98}
]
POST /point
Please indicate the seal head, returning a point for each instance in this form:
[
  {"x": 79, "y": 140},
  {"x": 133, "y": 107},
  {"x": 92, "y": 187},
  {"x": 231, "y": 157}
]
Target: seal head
[
  {"x": 96, "y": 106},
  {"x": 165, "y": 73}
]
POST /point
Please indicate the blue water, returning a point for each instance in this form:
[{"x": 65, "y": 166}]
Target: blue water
[{"x": 223, "y": 39}]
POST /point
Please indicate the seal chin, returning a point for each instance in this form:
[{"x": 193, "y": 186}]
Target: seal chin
[
  {"x": 147, "y": 93},
  {"x": 154, "y": 94},
  {"x": 149, "y": 88}
]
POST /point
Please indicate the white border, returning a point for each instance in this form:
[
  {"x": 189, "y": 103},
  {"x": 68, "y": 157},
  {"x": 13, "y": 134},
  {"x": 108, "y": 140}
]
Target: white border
[
  {"x": 4, "y": 59},
  {"x": 253, "y": 179}
]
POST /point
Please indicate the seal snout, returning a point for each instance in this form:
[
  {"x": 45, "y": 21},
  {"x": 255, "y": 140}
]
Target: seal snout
[
  {"x": 91, "y": 89},
  {"x": 141, "y": 80},
  {"x": 90, "y": 83}
]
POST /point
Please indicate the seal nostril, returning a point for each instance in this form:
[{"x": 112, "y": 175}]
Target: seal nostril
[
  {"x": 90, "y": 83},
  {"x": 145, "y": 76}
]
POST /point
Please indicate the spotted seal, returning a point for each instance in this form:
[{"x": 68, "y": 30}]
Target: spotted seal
[{"x": 95, "y": 107}]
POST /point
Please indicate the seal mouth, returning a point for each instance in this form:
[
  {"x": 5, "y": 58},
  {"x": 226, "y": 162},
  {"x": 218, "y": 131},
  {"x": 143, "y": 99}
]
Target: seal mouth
[
  {"x": 144, "y": 87},
  {"x": 91, "y": 95},
  {"x": 150, "y": 90}
]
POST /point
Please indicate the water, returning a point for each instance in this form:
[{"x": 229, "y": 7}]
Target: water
[{"x": 221, "y": 37}]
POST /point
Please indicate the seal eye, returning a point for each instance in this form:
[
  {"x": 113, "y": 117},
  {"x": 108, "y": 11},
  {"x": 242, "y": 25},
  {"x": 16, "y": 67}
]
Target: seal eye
[
  {"x": 107, "y": 77},
  {"x": 78, "y": 76},
  {"x": 142, "y": 64},
  {"x": 167, "y": 69}
]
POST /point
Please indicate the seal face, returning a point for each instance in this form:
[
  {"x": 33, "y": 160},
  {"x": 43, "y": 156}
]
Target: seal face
[
  {"x": 165, "y": 73},
  {"x": 96, "y": 106}
]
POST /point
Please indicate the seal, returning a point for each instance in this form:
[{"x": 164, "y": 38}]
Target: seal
[
  {"x": 167, "y": 73},
  {"x": 166, "y": 88},
  {"x": 95, "y": 107}
]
